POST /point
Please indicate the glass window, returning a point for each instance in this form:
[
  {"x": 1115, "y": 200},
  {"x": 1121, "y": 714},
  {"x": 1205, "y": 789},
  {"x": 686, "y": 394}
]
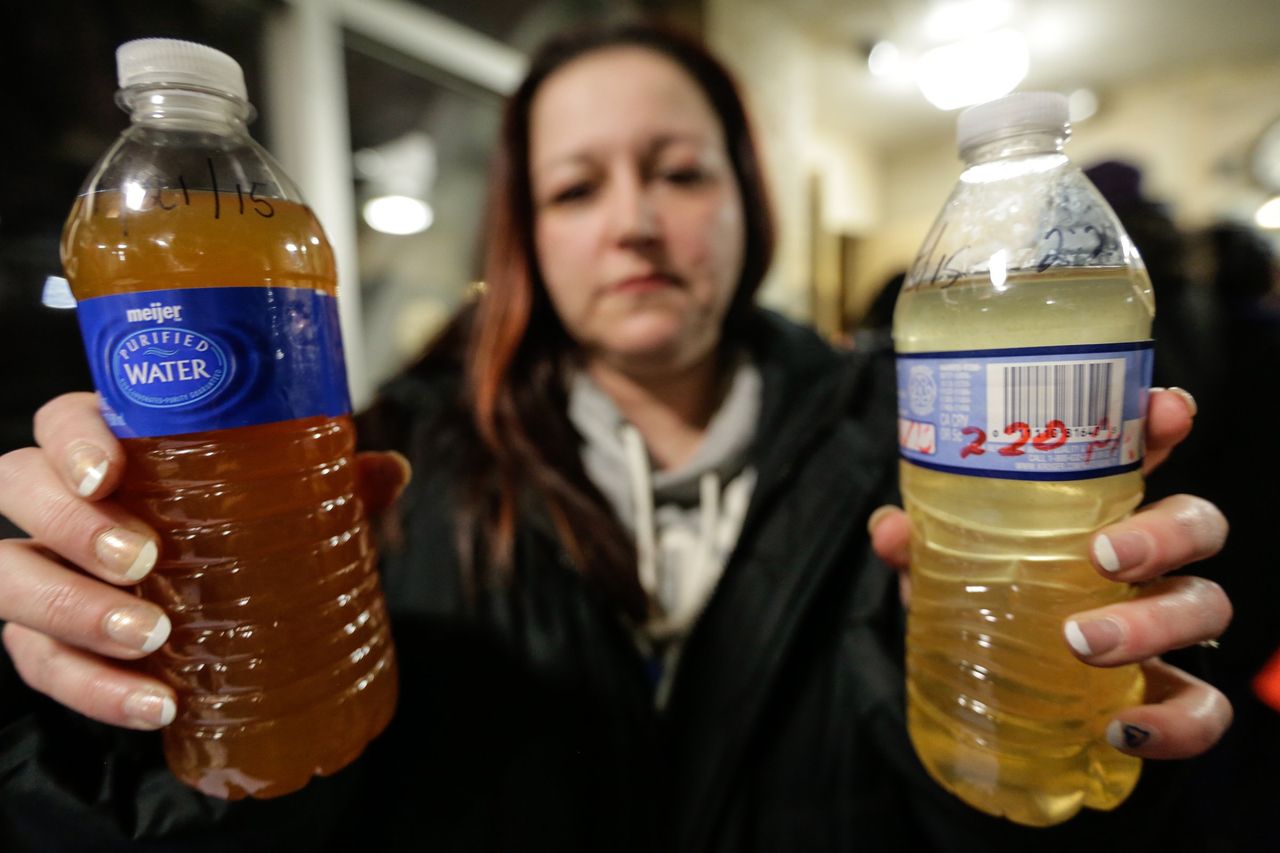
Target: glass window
[{"x": 422, "y": 143}]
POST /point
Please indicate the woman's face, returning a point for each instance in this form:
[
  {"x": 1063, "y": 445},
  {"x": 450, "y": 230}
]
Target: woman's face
[{"x": 637, "y": 215}]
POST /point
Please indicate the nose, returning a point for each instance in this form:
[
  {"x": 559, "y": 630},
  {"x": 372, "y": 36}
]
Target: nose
[{"x": 633, "y": 211}]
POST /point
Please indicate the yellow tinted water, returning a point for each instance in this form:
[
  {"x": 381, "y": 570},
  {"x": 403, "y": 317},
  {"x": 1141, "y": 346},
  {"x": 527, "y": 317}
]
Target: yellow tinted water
[{"x": 999, "y": 710}]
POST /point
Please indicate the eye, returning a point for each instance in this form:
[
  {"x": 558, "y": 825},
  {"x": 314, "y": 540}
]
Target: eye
[
  {"x": 685, "y": 176},
  {"x": 572, "y": 193}
]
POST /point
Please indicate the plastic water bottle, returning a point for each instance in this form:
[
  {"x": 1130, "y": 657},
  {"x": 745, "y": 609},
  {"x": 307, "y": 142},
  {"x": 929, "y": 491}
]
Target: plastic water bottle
[
  {"x": 207, "y": 298},
  {"x": 1024, "y": 357}
]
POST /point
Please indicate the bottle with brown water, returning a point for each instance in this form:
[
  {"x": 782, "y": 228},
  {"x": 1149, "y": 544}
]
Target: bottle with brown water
[{"x": 206, "y": 294}]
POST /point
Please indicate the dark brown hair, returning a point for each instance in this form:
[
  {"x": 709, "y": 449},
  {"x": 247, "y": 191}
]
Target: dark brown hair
[{"x": 516, "y": 343}]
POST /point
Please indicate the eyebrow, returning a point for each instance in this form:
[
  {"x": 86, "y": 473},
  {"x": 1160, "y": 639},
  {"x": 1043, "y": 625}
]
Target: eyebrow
[{"x": 656, "y": 144}]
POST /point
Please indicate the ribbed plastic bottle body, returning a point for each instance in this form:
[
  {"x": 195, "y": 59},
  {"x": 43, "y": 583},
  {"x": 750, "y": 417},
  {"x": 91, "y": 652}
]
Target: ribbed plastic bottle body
[
  {"x": 1000, "y": 711},
  {"x": 280, "y": 650}
]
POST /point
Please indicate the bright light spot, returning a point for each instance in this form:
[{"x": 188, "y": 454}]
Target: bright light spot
[
  {"x": 1081, "y": 104},
  {"x": 157, "y": 99},
  {"x": 999, "y": 265},
  {"x": 291, "y": 248},
  {"x": 885, "y": 60},
  {"x": 1268, "y": 216},
  {"x": 398, "y": 214},
  {"x": 134, "y": 193},
  {"x": 961, "y": 18},
  {"x": 57, "y": 293},
  {"x": 315, "y": 241},
  {"x": 973, "y": 71}
]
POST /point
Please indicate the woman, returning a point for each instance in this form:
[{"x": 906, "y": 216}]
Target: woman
[{"x": 634, "y": 601}]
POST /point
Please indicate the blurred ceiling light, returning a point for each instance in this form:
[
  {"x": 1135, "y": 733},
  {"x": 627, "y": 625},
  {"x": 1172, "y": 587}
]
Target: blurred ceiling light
[
  {"x": 884, "y": 60},
  {"x": 398, "y": 214},
  {"x": 957, "y": 19},
  {"x": 974, "y": 70},
  {"x": 1081, "y": 104},
  {"x": 57, "y": 293},
  {"x": 1268, "y": 216},
  {"x": 398, "y": 176}
]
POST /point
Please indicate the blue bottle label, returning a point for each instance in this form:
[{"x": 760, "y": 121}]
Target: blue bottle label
[
  {"x": 1035, "y": 413},
  {"x": 167, "y": 362}
]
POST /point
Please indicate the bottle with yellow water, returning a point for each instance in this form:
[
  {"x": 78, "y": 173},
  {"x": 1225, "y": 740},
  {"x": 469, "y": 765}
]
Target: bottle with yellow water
[{"x": 1024, "y": 357}]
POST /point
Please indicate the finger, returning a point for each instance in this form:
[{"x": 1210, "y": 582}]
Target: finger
[
  {"x": 890, "y": 536},
  {"x": 380, "y": 478},
  {"x": 1186, "y": 717},
  {"x": 99, "y": 537},
  {"x": 86, "y": 455},
  {"x": 890, "y": 532},
  {"x": 1171, "y": 613},
  {"x": 86, "y": 684},
  {"x": 1161, "y": 537},
  {"x": 45, "y": 596},
  {"x": 1169, "y": 415}
]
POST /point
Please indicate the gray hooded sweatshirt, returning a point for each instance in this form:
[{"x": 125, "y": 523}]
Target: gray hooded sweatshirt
[{"x": 685, "y": 520}]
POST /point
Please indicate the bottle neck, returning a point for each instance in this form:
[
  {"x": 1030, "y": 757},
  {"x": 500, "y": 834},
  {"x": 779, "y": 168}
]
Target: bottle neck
[
  {"x": 1018, "y": 145},
  {"x": 179, "y": 108}
]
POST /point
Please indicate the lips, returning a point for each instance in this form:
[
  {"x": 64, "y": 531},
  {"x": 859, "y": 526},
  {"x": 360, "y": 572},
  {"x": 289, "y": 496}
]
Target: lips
[{"x": 645, "y": 283}]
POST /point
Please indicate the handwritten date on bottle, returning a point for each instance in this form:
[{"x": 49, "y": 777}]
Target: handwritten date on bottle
[
  {"x": 1053, "y": 436},
  {"x": 165, "y": 197}
]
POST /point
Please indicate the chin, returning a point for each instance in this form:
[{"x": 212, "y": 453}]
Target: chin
[
  {"x": 656, "y": 348},
  {"x": 652, "y": 332}
]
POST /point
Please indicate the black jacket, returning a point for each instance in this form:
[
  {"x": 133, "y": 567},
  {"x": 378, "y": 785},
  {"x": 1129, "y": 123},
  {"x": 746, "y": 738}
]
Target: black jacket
[{"x": 526, "y": 718}]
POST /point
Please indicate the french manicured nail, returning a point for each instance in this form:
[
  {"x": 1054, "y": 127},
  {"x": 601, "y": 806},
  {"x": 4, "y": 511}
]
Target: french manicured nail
[
  {"x": 139, "y": 626},
  {"x": 150, "y": 709},
  {"x": 1093, "y": 637},
  {"x": 88, "y": 468},
  {"x": 1121, "y": 550},
  {"x": 127, "y": 553},
  {"x": 1186, "y": 398},
  {"x": 878, "y": 516},
  {"x": 1123, "y": 735}
]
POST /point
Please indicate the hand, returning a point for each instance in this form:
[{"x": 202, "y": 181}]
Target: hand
[
  {"x": 62, "y": 592},
  {"x": 1184, "y": 715}
]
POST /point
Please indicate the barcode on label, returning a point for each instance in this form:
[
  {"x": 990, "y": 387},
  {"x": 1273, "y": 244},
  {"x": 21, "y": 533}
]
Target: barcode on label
[{"x": 1086, "y": 396}]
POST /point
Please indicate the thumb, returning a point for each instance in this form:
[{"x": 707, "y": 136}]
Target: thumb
[
  {"x": 890, "y": 536},
  {"x": 890, "y": 539},
  {"x": 380, "y": 478}
]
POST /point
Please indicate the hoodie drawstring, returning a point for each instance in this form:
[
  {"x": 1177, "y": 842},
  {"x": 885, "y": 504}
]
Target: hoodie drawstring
[
  {"x": 637, "y": 459},
  {"x": 702, "y": 556}
]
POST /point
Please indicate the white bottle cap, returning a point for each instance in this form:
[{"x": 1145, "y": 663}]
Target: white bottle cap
[
  {"x": 1021, "y": 112},
  {"x": 182, "y": 63}
]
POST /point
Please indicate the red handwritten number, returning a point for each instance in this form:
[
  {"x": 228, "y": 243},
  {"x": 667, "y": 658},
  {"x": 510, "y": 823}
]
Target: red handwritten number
[
  {"x": 1024, "y": 435},
  {"x": 973, "y": 448},
  {"x": 1053, "y": 437}
]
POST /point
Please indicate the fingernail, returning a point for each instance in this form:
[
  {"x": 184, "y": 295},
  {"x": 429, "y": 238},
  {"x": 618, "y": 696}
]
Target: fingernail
[
  {"x": 1123, "y": 735},
  {"x": 150, "y": 708},
  {"x": 406, "y": 470},
  {"x": 1186, "y": 398},
  {"x": 88, "y": 468},
  {"x": 126, "y": 552},
  {"x": 878, "y": 516},
  {"x": 1121, "y": 550},
  {"x": 1093, "y": 637},
  {"x": 139, "y": 627}
]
